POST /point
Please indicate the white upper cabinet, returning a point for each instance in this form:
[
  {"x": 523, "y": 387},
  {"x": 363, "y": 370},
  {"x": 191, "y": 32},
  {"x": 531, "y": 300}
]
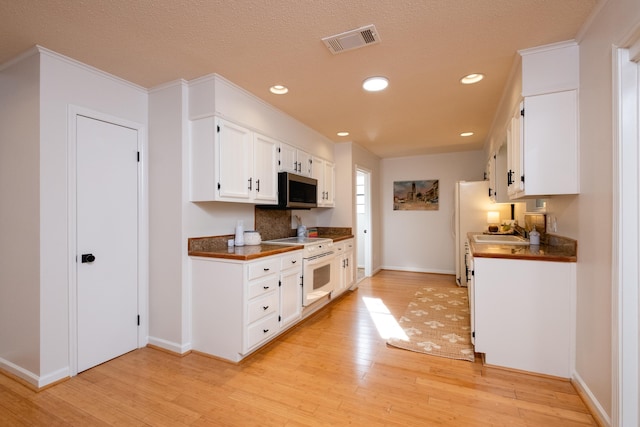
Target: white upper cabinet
[
  {"x": 324, "y": 172},
  {"x": 294, "y": 160},
  {"x": 265, "y": 151},
  {"x": 543, "y": 136},
  {"x": 231, "y": 163}
]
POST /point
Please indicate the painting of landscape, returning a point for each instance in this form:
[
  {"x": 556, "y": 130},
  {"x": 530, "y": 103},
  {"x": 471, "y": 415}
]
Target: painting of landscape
[{"x": 415, "y": 195}]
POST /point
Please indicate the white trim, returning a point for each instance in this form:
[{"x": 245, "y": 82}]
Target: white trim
[
  {"x": 143, "y": 226},
  {"x": 626, "y": 238},
  {"x": 31, "y": 378},
  {"x": 169, "y": 345},
  {"x": 415, "y": 270},
  {"x": 582, "y": 388},
  {"x": 368, "y": 238}
]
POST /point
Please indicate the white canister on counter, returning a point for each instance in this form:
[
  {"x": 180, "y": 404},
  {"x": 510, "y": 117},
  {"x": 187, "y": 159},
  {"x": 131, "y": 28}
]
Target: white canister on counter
[
  {"x": 302, "y": 231},
  {"x": 534, "y": 236},
  {"x": 252, "y": 237},
  {"x": 239, "y": 240}
]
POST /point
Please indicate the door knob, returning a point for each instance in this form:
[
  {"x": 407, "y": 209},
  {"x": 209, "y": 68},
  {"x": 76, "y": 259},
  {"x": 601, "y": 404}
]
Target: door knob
[{"x": 88, "y": 258}]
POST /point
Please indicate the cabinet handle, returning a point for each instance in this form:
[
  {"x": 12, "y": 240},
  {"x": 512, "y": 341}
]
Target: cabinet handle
[
  {"x": 266, "y": 269},
  {"x": 265, "y": 331},
  {"x": 347, "y": 260},
  {"x": 265, "y": 287},
  {"x": 257, "y": 185},
  {"x": 265, "y": 307},
  {"x": 294, "y": 261},
  {"x": 250, "y": 180}
]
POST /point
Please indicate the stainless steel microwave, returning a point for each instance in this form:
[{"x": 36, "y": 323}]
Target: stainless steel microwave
[{"x": 296, "y": 192}]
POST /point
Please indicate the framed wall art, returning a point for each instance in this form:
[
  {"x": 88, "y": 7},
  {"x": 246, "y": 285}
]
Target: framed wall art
[{"x": 415, "y": 195}]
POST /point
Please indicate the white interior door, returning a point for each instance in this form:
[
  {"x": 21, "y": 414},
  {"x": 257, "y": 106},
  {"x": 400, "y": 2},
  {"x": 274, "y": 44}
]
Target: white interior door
[{"x": 107, "y": 241}]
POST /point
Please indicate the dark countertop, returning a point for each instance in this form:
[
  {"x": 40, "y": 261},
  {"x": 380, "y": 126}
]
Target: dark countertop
[
  {"x": 244, "y": 253},
  {"x": 553, "y": 248},
  {"x": 216, "y": 246}
]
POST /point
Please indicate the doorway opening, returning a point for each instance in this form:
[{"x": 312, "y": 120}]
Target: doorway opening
[{"x": 363, "y": 223}]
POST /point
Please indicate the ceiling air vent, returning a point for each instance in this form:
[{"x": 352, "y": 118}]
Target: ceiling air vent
[{"x": 353, "y": 39}]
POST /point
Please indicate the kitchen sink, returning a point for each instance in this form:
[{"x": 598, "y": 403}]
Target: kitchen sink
[{"x": 500, "y": 239}]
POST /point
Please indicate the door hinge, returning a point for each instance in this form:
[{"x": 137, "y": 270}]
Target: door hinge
[
  {"x": 138, "y": 156},
  {"x": 138, "y": 320},
  {"x": 278, "y": 149},
  {"x": 279, "y": 318},
  {"x": 218, "y": 186},
  {"x": 473, "y": 334},
  {"x": 522, "y": 178},
  {"x": 522, "y": 112},
  {"x": 218, "y": 128},
  {"x": 473, "y": 273},
  {"x": 279, "y": 283}
]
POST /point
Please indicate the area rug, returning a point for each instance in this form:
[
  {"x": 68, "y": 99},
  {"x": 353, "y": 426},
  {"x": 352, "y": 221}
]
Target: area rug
[{"x": 437, "y": 322}]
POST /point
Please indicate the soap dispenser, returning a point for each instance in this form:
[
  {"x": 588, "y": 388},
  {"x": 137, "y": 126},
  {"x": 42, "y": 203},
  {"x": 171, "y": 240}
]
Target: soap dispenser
[{"x": 534, "y": 236}]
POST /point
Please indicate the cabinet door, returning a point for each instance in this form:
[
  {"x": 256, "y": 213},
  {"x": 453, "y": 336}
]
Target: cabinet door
[
  {"x": 304, "y": 163},
  {"x": 317, "y": 172},
  {"x": 287, "y": 158},
  {"x": 329, "y": 184},
  {"x": 550, "y": 144},
  {"x": 265, "y": 182},
  {"x": 235, "y": 162},
  {"x": 290, "y": 296},
  {"x": 514, "y": 141}
]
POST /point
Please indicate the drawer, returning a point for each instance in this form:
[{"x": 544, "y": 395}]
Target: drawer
[
  {"x": 262, "y": 330},
  {"x": 291, "y": 260},
  {"x": 262, "y": 307},
  {"x": 262, "y": 287},
  {"x": 263, "y": 268}
]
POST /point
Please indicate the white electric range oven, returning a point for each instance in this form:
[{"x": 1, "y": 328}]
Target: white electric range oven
[{"x": 317, "y": 266}]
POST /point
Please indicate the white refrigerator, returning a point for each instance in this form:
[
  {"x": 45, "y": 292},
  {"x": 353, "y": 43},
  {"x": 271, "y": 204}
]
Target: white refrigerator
[{"x": 472, "y": 203}]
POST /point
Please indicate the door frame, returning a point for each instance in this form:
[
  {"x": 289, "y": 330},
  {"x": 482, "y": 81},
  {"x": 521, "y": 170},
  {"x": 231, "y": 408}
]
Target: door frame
[
  {"x": 625, "y": 257},
  {"x": 368, "y": 250},
  {"x": 143, "y": 228}
]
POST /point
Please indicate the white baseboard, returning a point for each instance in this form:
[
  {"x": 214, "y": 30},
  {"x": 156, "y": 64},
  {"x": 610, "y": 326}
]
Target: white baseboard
[
  {"x": 32, "y": 379},
  {"x": 170, "y": 346},
  {"x": 416, "y": 270},
  {"x": 590, "y": 400}
]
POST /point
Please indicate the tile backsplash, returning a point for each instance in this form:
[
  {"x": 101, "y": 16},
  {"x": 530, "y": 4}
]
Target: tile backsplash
[{"x": 273, "y": 223}]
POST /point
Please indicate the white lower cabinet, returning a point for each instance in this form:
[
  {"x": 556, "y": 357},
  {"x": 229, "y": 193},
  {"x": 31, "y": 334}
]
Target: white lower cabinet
[
  {"x": 237, "y": 306},
  {"x": 344, "y": 266},
  {"x": 290, "y": 289},
  {"x": 524, "y": 314}
]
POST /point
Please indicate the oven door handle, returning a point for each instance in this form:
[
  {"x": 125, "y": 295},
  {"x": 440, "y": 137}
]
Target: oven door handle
[{"x": 318, "y": 258}]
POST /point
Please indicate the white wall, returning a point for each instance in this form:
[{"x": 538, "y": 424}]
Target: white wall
[
  {"x": 38, "y": 278},
  {"x": 588, "y": 217},
  {"x": 20, "y": 215},
  {"x": 167, "y": 244},
  {"x": 423, "y": 240}
]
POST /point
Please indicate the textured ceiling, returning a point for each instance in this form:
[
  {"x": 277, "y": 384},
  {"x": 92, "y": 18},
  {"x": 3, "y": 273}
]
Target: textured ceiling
[{"x": 427, "y": 46}]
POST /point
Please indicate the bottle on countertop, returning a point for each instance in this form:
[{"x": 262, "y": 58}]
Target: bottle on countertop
[
  {"x": 534, "y": 236},
  {"x": 239, "y": 240}
]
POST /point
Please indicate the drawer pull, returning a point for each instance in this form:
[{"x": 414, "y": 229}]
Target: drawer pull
[
  {"x": 265, "y": 331},
  {"x": 294, "y": 261},
  {"x": 266, "y": 269},
  {"x": 265, "y": 287},
  {"x": 265, "y": 307}
]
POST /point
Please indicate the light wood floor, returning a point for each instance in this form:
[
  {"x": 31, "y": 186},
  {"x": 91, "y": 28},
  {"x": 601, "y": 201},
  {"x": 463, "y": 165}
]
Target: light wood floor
[{"x": 333, "y": 369}]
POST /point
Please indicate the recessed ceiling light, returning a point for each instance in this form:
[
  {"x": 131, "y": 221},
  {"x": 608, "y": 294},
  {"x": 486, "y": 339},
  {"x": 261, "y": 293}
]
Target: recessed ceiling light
[
  {"x": 375, "y": 84},
  {"x": 278, "y": 89},
  {"x": 471, "y": 78},
  {"x": 466, "y": 134},
  {"x": 343, "y": 133}
]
